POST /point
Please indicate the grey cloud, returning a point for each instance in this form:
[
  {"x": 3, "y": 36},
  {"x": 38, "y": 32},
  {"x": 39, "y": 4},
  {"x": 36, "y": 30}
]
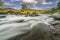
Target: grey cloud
[
  {"x": 33, "y": 3},
  {"x": 30, "y": 3}
]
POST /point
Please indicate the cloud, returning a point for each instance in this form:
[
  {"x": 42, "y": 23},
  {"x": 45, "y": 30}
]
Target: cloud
[
  {"x": 29, "y": 2},
  {"x": 15, "y": 8},
  {"x": 15, "y": 0},
  {"x": 38, "y": 8},
  {"x": 33, "y": 3},
  {"x": 7, "y": 5},
  {"x": 47, "y": 3},
  {"x": 25, "y": 1}
]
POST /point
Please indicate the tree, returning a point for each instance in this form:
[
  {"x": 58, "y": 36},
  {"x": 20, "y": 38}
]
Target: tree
[
  {"x": 53, "y": 10},
  {"x": 24, "y": 6},
  {"x": 1, "y": 3},
  {"x": 58, "y": 6}
]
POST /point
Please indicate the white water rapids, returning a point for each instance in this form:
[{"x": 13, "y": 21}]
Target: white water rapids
[{"x": 13, "y": 25}]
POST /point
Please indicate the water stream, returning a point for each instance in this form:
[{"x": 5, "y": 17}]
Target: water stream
[{"x": 13, "y": 25}]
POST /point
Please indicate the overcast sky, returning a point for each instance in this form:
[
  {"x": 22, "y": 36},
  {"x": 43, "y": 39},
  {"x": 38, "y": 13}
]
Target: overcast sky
[{"x": 34, "y": 4}]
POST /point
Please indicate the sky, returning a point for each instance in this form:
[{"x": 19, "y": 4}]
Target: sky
[{"x": 34, "y": 4}]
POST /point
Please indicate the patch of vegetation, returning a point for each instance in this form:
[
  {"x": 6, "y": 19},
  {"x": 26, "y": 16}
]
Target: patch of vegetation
[
  {"x": 25, "y": 10},
  {"x": 58, "y": 6}
]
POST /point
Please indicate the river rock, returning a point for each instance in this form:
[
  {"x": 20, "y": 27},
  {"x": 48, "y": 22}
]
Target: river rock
[
  {"x": 54, "y": 23},
  {"x": 56, "y": 16}
]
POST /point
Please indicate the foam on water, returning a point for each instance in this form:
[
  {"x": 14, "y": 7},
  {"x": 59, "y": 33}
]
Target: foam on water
[{"x": 9, "y": 26}]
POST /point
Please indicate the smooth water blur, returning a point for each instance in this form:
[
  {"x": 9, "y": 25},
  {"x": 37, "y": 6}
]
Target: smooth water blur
[{"x": 13, "y": 25}]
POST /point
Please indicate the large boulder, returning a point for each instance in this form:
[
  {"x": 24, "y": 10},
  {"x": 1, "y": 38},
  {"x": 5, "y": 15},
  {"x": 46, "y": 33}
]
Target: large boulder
[
  {"x": 56, "y": 16},
  {"x": 55, "y": 23}
]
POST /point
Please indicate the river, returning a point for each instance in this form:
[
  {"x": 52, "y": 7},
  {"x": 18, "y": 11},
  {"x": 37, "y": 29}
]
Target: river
[{"x": 13, "y": 25}]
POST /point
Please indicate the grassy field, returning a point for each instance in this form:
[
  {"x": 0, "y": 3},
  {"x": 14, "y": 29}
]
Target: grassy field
[{"x": 30, "y": 11}]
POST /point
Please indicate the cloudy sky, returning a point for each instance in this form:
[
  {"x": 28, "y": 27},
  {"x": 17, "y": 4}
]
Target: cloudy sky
[{"x": 34, "y": 4}]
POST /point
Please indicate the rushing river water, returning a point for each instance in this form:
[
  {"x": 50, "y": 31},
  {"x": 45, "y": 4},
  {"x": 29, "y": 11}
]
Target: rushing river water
[{"x": 13, "y": 25}]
